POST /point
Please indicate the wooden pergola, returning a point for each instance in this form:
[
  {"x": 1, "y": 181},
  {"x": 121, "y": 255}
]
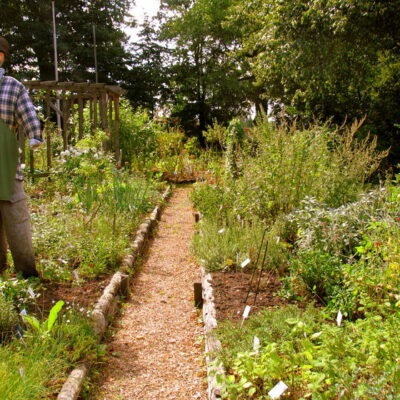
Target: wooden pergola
[{"x": 61, "y": 98}]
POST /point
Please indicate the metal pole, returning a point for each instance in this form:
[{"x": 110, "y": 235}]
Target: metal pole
[
  {"x": 56, "y": 61},
  {"x": 95, "y": 52}
]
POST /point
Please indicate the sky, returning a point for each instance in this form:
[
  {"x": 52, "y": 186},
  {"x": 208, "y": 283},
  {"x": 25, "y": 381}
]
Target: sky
[
  {"x": 142, "y": 8},
  {"x": 149, "y": 7}
]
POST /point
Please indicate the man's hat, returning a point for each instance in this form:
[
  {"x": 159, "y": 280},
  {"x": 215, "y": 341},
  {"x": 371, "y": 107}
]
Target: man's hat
[{"x": 4, "y": 47}]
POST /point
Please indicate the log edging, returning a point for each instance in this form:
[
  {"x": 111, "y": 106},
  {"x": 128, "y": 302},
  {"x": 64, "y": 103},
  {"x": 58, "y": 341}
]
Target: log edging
[
  {"x": 106, "y": 305},
  {"x": 212, "y": 344}
]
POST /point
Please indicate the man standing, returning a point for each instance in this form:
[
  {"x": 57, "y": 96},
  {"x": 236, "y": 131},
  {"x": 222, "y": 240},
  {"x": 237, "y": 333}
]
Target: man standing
[{"x": 16, "y": 111}]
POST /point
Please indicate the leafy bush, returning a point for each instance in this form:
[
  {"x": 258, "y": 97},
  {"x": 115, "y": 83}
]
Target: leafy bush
[
  {"x": 137, "y": 137},
  {"x": 348, "y": 257},
  {"x": 284, "y": 165},
  {"x": 315, "y": 358},
  {"x": 226, "y": 246},
  {"x": 83, "y": 220},
  {"x": 210, "y": 200},
  {"x": 8, "y": 318}
]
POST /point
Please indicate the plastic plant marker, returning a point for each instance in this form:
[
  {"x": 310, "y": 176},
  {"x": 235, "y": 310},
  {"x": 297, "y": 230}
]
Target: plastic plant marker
[
  {"x": 278, "y": 390},
  {"x": 339, "y": 318},
  {"x": 256, "y": 344},
  {"x": 21, "y": 372},
  {"x": 245, "y": 263},
  {"x": 221, "y": 230},
  {"x": 246, "y": 312}
]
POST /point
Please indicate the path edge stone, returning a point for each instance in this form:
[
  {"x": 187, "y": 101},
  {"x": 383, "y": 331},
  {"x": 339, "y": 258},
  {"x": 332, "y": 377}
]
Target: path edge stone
[
  {"x": 106, "y": 305},
  {"x": 212, "y": 344}
]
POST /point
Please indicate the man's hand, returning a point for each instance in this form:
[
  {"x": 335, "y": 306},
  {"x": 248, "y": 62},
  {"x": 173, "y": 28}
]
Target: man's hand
[{"x": 34, "y": 144}]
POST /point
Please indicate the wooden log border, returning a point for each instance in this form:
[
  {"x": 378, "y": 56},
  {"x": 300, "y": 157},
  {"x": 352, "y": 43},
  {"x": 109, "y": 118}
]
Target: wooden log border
[
  {"x": 106, "y": 305},
  {"x": 212, "y": 344}
]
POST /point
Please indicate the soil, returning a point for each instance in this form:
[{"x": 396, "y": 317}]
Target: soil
[
  {"x": 85, "y": 295},
  {"x": 231, "y": 289}
]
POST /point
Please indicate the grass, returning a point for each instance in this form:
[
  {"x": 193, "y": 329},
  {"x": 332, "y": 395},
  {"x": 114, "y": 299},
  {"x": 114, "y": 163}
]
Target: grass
[{"x": 33, "y": 367}]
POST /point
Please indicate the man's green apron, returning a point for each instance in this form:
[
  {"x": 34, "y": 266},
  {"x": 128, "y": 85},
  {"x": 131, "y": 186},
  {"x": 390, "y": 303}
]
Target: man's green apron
[{"x": 8, "y": 160}]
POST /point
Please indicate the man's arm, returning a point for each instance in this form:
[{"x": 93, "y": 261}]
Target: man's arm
[{"x": 27, "y": 118}]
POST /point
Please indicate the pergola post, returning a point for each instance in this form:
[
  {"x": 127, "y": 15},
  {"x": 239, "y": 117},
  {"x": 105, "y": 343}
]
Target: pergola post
[{"x": 48, "y": 131}]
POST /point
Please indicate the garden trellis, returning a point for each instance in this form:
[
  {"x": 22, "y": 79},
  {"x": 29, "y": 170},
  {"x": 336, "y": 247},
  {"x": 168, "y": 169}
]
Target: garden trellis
[{"x": 68, "y": 98}]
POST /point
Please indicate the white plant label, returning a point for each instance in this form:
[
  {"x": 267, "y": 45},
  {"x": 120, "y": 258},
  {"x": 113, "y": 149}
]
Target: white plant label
[
  {"x": 339, "y": 318},
  {"x": 245, "y": 263},
  {"x": 246, "y": 312},
  {"x": 278, "y": 390},
  {"x": 31, "y": 292},
  {"x": 256, "y": 344},
  {"x": 221, "y": 230},
  {"x": 21, "y": 372}
]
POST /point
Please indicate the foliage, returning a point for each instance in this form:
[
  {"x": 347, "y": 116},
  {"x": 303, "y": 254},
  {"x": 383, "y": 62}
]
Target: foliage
[
  {"x": 326, "y": 59},
  {"x": 137, "y": 137},
  {"x": 8, "y": 318},
  {"x": 80, "y": 220},
  {"x": 233, "y": 142},
  {"x": 333, "y": 240},
  {"x": 32, "y": 367},
  {"x": 203, "y": 80},
  {"x": 312, "y": 356},
  {"x": 219, "y": 246},
  {"x": 23, "y": 293},
  {"x": 24, "y": 20},
  {"x": 285, "y": 165},
  {"x": 348, "y": 256},
  {"x": 44, "y": 328}
]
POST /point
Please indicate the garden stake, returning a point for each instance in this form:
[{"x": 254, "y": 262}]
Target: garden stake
[
  {"x": 255, "y": 265},
  {"x": 260, "y": 275}
]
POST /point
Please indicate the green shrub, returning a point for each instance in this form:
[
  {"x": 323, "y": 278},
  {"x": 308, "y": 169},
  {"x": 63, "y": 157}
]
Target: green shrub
[
  {"x": 316, "y": 359},
  {"x": 225, "y": 246},
  {"x": 8, "y": 318},
  {"x": 285, "y": 165}
]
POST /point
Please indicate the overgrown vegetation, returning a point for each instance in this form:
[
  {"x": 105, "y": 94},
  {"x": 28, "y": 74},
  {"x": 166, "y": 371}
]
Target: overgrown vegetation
[
  {"x": 332, "y": 239},
  {"x": 33, "y": 364}
]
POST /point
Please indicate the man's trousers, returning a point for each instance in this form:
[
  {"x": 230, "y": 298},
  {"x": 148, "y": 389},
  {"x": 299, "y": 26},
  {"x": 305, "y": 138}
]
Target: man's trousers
[{"x": 15, "y": 229}]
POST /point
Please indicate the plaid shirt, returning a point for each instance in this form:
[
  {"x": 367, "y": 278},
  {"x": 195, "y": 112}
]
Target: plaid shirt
[{"x": 17, "y": 110}]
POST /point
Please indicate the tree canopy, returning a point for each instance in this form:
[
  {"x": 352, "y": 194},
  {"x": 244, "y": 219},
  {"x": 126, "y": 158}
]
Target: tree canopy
[
  {"x": 210, "y": 60},
  {"x": 27, "y": 24}
]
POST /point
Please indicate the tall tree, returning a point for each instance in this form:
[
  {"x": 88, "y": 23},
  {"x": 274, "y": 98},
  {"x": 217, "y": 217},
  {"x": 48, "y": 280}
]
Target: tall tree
[
  {"x": 148, "y": 71},
  {"x": 206, "y": 82},
  {"x": 327, "y": 58},
  {"x": 28, "y": 26}
]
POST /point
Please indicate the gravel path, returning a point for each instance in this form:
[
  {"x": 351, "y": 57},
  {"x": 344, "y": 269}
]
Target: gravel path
[{"x": 158, "y": 351}]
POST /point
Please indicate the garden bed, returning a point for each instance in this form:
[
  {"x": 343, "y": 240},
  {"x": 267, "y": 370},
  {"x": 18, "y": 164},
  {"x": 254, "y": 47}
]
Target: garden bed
[{"x": 231, "y": 289}]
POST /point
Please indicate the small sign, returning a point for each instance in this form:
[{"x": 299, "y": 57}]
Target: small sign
[
  {"x": 221, "y": 230},
  {"x": 245, "y": 263},
  {"x": 256, "y": 344},
  {"x": 339, "y": 318},
  {"x": 246, "y": 312},
  {"x": 278, "y": 390}
]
